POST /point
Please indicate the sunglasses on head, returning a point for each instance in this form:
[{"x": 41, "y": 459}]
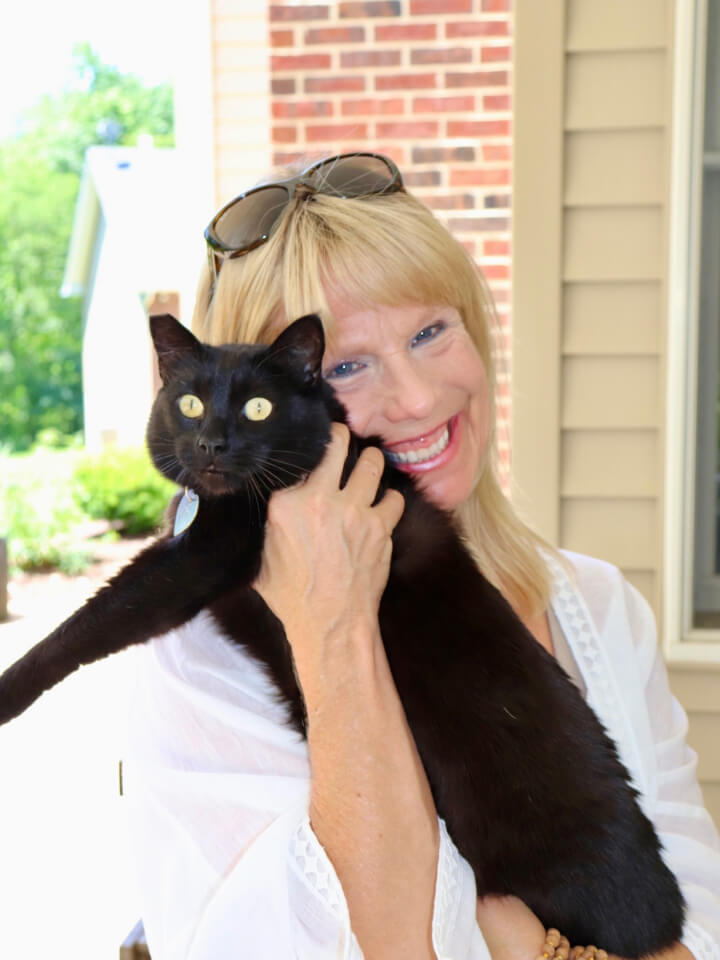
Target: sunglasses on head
[{"x": 247, "y": 221}]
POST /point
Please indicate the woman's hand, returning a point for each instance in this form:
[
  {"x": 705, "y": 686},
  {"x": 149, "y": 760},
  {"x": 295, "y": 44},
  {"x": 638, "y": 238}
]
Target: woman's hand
[
  {"x": 510, "y": 928},
  {"x": 327, "y": 551}
]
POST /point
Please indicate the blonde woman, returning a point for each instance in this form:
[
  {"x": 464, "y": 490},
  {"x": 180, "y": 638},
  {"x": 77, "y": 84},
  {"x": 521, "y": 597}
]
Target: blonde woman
[{"x": 255, "y": 844}]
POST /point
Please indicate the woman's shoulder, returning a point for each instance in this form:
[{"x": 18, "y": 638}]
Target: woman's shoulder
[{"x": 615, "y": 605}]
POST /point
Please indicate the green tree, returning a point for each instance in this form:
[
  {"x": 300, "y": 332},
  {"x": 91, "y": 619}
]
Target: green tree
[{"x": 40, "y": 333}]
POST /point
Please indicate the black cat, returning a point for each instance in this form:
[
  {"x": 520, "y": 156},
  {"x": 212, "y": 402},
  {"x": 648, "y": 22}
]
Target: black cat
[{"x": 530, "y": 786}]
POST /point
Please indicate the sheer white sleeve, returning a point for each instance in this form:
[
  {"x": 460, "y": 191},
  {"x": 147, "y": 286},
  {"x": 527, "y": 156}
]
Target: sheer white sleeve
[
  {"x": 686, "y": 831},
  {"x": 217, "y": 788}
]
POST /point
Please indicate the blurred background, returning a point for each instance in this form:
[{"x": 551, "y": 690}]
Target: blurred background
[{"x": 572, "y": 146}]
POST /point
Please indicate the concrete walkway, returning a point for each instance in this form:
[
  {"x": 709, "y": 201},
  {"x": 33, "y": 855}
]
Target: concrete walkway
[{"x": 67, "y": 890}]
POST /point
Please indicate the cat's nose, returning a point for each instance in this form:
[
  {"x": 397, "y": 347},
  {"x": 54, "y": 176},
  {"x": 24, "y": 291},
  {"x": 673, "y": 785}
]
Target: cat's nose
[{"x": 212, "y": 445}]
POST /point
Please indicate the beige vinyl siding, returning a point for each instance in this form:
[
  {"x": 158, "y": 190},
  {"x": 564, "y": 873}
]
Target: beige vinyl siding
[
  {"x": 614, "y": 203},
  {"x": 600, "y": 232}
]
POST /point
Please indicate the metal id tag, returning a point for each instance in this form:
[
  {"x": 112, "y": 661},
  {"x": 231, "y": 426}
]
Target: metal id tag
[{"x": 186, "y": 511}]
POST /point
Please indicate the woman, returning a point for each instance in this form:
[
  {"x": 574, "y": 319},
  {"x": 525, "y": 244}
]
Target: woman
[{"x": 253, "y": 844}]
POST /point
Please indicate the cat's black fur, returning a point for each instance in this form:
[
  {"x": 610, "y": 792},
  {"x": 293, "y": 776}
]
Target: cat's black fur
[{"x": 529, "y": 784}]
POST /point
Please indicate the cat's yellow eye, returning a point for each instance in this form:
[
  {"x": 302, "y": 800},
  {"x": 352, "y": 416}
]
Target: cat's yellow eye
[
  {"x": 191, "y": 406},
  {"x": 258, "y": 408}
]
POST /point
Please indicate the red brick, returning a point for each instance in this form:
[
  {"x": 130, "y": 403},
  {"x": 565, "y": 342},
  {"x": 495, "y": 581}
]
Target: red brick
[
  {"x": 496, "y": 6},
  {"x": 434, "y": 55},
  {"x": 497, "y": 101},
  {"x": 406, "y": 81},
  {"x": 493, "y": 54},
  {"x": 478, "y": 128},
  {"x": 421, "y": 178},
  {"x": 470, "y": 247},
  {"x": 369, "y": 8},
  {"x": 407, "y": 128},
  {"x": 494, "y": 152},
  {"x": 331, "y": 84},
  {"x": 460, "y": 201},
  {"x": 335, "y": 35},
  {"x": 476, "y": 28},
  {"x": 301, "y": 108},
  {"x": 443, "y": 154},
  {"x": 442, "y": 104},
  {"x": 309, "y": 12},
  {"x": 480, "y": 78},
  {"x": 406, "y": 31},
  {"x": 284, "y": 134},
  {"x": 496, "y": 271},
  {"x": 493, "y": 201},
  {"x": 282, "y": 159},
  {"x": 335, "y": 131},
  {"x": 282, "y": 85},
  {"x": 304, "y": 61},
  {"x": 281, "y": 38},
  {"x": 479, "y": 177},
  {"x": 440, "y": 6},
  {"x": 370, "y": 58},
  {"x": 496, "y": 248},
  {"x": 370, "y": 107}
]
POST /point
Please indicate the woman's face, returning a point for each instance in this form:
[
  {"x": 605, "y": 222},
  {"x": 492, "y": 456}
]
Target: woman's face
[{"x": 413, "y": 376}]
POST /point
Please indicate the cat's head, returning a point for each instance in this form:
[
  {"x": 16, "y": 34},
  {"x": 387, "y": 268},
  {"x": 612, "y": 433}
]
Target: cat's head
[{"x": 239, "y": 417}]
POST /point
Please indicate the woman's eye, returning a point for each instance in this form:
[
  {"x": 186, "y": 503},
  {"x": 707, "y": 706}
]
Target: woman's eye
[
  {"x": 258, "y": 408},
  {"x": 429, "y": 333},
  {"x": 191, "y": 406},
  {"x": 344, "y": 369}
]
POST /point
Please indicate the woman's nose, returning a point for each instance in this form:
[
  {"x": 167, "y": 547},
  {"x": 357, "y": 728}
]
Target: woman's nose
[{"x": 408, "y": 394}]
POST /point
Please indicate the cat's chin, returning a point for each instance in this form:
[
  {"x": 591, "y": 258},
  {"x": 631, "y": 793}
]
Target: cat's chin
[{"x": 215, "y": 483}]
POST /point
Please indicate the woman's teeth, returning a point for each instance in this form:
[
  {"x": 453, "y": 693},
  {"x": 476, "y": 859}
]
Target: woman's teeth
[{"x": 423, "y": 453}]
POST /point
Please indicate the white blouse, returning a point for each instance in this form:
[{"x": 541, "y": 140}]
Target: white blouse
[{"x": 218, "y": 787}]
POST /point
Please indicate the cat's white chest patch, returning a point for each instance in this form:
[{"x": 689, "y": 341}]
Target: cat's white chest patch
[{"x": 186, "y": 511}]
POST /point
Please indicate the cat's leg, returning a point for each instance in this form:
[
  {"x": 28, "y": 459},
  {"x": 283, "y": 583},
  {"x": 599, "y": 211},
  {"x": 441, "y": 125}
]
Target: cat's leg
[{"x": 163, "y": 587}]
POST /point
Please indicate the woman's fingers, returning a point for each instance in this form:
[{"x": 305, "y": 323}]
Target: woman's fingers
[
  {"x": 326, "y": 476},
  {"x": 363, "y": 482}
]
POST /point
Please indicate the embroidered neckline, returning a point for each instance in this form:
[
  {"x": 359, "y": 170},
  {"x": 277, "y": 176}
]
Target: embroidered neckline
[{"x": 602, "y": 694}]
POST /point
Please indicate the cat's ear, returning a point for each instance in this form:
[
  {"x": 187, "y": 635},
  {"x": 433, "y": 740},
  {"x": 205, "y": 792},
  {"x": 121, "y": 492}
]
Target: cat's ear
[
  {"x": 173, "y": 343},
  {"x": 301, "y": 346}
]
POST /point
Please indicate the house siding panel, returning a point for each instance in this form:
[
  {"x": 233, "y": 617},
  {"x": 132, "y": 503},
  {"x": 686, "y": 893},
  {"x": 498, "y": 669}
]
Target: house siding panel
[
  {"x": 612, "y": 167},
  {"x": 612, "y": 318},
  {"x": 586, "y": 455},
  {"x": 613, "y": 243},
  {"x": 616, "y": 25},
  {"x": 625, "y": 529},
  {"x": 615, "y": 90},
  {"x": 601, "y": 392}
]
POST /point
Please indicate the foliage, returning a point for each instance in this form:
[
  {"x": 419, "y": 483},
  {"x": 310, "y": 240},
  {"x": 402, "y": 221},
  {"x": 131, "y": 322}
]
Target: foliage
[
  {"x": 39, "y": 513},
  {"x": 48, "y": 496},
  {"x": 122, "y": 485},
  {"x": 40, "y": 333}
]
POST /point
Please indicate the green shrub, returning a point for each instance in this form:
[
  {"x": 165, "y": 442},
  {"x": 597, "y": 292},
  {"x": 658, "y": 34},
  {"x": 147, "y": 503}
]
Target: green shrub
[
  {"x": 122, "y": 485},
  {"x": 39, "y": 514}
]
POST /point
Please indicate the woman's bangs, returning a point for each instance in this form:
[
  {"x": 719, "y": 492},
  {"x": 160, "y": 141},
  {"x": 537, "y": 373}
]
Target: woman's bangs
[{"x": 388, "y": 272}]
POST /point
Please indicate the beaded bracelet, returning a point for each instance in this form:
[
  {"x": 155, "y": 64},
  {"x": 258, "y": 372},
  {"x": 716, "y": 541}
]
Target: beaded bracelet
[{"x": 557, "y": 947}]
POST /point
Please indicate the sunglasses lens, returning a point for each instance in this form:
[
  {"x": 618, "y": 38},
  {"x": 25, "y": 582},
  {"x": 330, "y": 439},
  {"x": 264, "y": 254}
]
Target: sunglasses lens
[
  {"x": 356, "y": 176},
  {"x": 251, "y": 217}
]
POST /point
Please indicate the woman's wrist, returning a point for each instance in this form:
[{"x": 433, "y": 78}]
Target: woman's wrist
[{"x": 342, "y": 659}]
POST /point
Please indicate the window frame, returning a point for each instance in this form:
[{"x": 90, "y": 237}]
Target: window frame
[{"x": 682, "y": 642}]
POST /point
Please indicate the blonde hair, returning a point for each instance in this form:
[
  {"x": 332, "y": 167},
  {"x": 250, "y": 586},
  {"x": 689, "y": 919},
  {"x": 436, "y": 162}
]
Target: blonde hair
[{"x": 387, "y": 250}]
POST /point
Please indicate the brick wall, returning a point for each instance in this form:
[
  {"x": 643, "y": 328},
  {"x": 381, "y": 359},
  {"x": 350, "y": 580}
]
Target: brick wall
[{"x": 428, "y": 83}]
